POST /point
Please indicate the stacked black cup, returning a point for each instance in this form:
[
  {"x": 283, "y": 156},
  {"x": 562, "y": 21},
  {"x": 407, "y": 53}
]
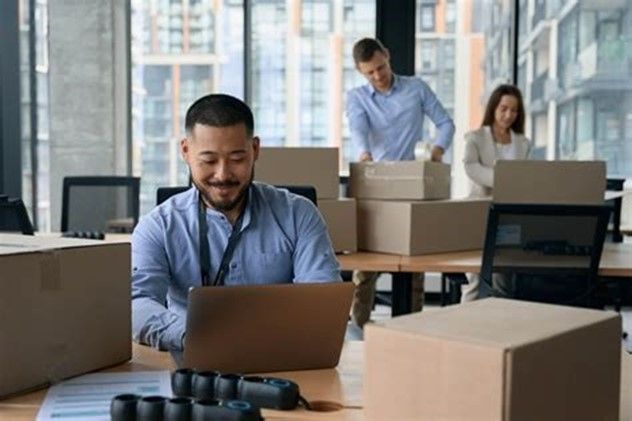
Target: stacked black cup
[{"x": 209, "y": 395}]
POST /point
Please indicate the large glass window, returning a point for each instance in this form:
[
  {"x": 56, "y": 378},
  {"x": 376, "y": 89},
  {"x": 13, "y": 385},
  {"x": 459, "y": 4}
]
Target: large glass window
[
  {"x": 302, "y": 67},
  {"x": 577, "y": 68},
  {"x": 35, "y": 103},
  {"x": 462, "y": 50},
  {"x": 181, "y": 50}
]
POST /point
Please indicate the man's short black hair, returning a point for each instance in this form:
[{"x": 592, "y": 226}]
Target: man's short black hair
[
  {"x": 364, "y": 49},
  {"x": 219, "y": 110}
]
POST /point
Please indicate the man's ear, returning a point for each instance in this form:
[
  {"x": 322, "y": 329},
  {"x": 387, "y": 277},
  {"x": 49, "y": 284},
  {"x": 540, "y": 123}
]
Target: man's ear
[
  {"x": 387, "y": 54},
  {"x": 256, "y": 146},
  {"x": 184, "y": 148}
]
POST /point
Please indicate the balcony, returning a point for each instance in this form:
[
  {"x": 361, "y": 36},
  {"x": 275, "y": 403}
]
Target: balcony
[
  {"x": 537, "y": 87},
  {"x": 603, "y": 61}
]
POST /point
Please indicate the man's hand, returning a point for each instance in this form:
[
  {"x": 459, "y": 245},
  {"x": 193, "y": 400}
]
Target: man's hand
[
  {"x": 365, "y": 156},
  {"x": 436, "y": 154}
]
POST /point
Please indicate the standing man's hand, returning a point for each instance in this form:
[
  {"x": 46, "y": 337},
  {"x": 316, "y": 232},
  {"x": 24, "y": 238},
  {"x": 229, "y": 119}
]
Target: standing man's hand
[
  {"x": 436, "y": 154},
  {"x": 365, "y": 156}
]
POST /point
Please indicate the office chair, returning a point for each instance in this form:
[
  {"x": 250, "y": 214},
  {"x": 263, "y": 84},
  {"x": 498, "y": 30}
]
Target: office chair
[
  {"x": 13, "y": 216},
  {"x": 100, "y": 204},
  {"x": 547, "y": 253},
  {"x": 309, "y": 192},
  {"x": 615, "y": 184}
]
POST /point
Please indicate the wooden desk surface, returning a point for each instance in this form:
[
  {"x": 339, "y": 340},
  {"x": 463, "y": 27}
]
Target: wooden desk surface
[
  {"x": 368, "y": 261},
  {"x": 616, "y": 260},
  {"x": 342, "y": 385}
]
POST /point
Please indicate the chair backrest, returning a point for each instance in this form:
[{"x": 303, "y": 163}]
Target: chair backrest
[
  {"x": 100, "y": 203},
  {"x": 164, "y": 193},
  {"x": 551, "y": 252},
  {"x": 309, "y": 192},
  {"x": 13, "y": 216}
]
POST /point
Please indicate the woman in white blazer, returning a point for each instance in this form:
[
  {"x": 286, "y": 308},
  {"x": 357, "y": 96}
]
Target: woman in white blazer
[{"x": 501, "y": 136}]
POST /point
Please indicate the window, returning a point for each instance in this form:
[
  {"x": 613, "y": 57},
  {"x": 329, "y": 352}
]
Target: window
[
  {"x": 463, "y": 66},
  {"x": 302, "y": 67},
  {"x": 181, "y": 50},
  {"x": 427, "y": 17},
  {"x": 590, "y": 90}
]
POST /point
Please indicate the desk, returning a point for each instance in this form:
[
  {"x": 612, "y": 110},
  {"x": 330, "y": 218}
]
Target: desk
[
  {"x": 616, "y": 261},
  {"x": 341, "y": 385}
]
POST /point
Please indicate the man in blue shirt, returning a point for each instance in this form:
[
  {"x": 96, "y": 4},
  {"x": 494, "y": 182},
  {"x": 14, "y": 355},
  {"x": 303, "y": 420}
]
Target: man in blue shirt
[
  {"x": 225, "y": 230},
  {"x": 386, "y": 121}
]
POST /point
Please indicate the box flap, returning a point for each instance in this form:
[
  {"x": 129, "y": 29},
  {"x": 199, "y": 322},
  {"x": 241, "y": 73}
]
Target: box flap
[
  {"x": 498, "y": 322},
  {"x": 550, "y": 182},
  {"x": 17, "y": 244}
]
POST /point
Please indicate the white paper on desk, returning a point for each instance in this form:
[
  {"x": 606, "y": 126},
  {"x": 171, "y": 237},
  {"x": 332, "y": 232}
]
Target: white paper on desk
[{"x": 88, "y": 397}]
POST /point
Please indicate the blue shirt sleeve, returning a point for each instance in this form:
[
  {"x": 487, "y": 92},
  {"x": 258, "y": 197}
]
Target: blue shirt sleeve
[
  {"x": 152, "y": 323},
  {"x": 358, "y": 122},
  {"x": 314, "y": 257},
  {"x": 433, "y": 108}
]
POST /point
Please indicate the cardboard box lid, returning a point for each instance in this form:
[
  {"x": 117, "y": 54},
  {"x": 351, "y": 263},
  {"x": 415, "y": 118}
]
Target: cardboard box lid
[
  {"x": 554, "y": 182},
  {"x": 400, "y": 179},
  {"x": 498, "y": 323},
  {"x": 17, "y": 244}
]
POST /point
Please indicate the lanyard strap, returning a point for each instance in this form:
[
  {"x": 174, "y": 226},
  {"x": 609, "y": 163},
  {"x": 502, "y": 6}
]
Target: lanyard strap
[{"x": 205, "y": 248}]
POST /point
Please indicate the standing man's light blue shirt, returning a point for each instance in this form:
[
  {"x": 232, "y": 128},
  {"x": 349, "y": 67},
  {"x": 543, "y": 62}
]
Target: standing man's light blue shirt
[
  {"x": 388, "y": 125},
  {"x": 284, "y": 239}
]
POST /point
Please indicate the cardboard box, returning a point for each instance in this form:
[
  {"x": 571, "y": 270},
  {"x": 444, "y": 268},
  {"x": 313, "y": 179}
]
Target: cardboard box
[
  {"x": 422, "y": 227},
  {"x": 404, "y": 180},
  {"x": 316, "y": 167},
  {"x": 65, "y": 307},
  {"x": 340, "y": 217},
  {"x": 494, "y": 359},
  {"x": 554, "y": 182}
]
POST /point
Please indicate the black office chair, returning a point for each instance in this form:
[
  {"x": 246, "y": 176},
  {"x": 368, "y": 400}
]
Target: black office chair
[
  {"x": 164, "y": 193},
  {"x": 547, "y": 253},
  {"x": 13, "y": 216},
  {"x": 615, "y": 184},
  {"x": 100, "y": 204}
]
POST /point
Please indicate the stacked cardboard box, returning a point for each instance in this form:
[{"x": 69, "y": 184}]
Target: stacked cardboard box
[
  {"x": 65, "y": 306},
  {"x": 317, "y": 167},
  {"x": 404, "y": 208}
]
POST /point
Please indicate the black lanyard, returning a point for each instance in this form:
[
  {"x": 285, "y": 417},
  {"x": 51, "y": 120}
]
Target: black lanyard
[{"x": 205, "y": 248}]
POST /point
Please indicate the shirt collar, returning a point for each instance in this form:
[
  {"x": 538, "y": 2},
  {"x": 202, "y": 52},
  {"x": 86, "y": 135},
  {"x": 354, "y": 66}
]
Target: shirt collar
[
  {"x": 247, "y": 211},
  {"x": 395, "y": 86}
]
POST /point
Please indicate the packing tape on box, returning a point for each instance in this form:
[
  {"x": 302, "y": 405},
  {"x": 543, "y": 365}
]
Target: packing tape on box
[{"x": 50, "y": 276}]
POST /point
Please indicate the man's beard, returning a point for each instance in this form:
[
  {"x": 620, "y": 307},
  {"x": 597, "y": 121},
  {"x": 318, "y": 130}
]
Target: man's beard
[{"x": 226, "y": 206}]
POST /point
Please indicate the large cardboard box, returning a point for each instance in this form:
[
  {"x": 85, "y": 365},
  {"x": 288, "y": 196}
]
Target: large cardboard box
[
  {"x": 494, "y": 359},
  {"x": 423, "y": 227},
  {"x": 340, "y": 217},
  {"x": 404, "y": 180},
  {"x": 65, "y": 309},
  {"x": 316, "y": 167},
  {"x": 554, "y": 182}
]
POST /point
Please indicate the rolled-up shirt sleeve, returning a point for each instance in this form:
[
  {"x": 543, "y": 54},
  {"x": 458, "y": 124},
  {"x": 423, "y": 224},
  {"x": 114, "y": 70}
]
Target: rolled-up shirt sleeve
[
  {"x": 358, "y": 123},
  {"x": 152, "y": 323},
  {"x": 314, "y": 257},
  {"x": 433, "y": 108}
]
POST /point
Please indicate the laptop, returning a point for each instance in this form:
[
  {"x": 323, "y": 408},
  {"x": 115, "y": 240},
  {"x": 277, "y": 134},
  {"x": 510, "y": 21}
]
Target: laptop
[{"x": 265, "y": 328}]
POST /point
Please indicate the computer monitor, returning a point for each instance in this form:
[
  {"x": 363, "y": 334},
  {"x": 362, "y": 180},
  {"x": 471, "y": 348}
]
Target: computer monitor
[{"x": 545, "y": 253}]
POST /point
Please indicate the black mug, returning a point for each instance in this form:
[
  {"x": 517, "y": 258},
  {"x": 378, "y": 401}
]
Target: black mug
[
  {"x": 181, "y": 382},
  {"x": 151, "y": 408},
  {"x": 123, "y": 407},
  {"x": 203, "y": 384},
  {"x": 178, "y": 409},
  {"x": 226, "y": 386}
]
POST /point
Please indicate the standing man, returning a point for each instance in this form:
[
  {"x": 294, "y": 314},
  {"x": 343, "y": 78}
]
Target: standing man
[
  {"x": 386, "y": 120},
  {"x": 225, "y": 230}
]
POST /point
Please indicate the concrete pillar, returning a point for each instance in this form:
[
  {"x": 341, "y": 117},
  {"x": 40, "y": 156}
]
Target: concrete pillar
[{"x": 90, "y": 121}]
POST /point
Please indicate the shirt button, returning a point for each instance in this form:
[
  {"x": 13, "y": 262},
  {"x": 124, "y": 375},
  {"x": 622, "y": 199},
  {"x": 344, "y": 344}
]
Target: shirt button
[{"x": 233, "y": 265}]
